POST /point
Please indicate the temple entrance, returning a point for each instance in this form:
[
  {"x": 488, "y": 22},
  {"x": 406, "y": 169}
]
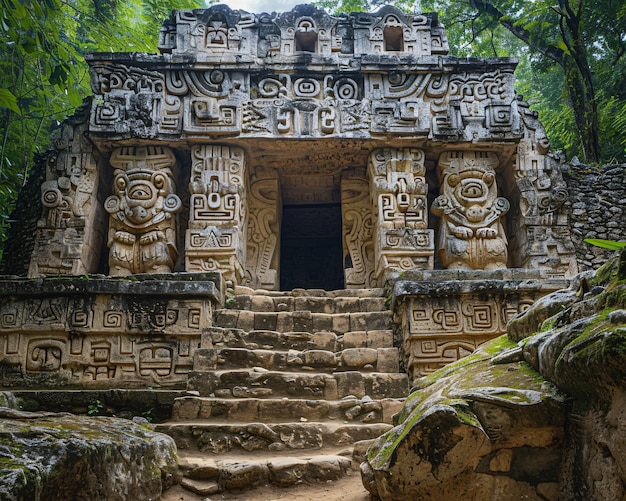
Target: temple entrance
[{"x": 311, "y": 250}]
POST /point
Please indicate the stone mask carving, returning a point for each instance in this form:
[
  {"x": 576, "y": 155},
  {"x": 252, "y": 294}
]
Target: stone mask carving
[
  {"x": 142, "y": 231},
  {"x": 471, "y": 233}
]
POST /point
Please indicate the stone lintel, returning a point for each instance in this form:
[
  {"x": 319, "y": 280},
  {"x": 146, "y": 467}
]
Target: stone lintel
[
  {"x": 368, "y": 63},
  {"x": 442, "y": 283},
  {"x": 205, "y": 285}
]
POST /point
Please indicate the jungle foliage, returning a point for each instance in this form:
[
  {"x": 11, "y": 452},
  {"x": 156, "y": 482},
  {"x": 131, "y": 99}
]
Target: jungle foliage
[{"x": 43, "y": 75}]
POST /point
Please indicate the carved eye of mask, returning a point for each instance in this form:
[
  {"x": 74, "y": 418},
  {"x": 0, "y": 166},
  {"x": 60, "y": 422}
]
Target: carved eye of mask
[
  {"x": 488, "y": 178},
  {"x": 453, "y": 179},
  {"x": 140, "y": 192}
]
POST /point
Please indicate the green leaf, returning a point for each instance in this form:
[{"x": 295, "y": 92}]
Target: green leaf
[
  {"x": 606, "y": 244},
  {"x": 8, "y": 100}
]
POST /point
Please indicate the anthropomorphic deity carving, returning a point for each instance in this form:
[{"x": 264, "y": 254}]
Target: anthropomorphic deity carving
[
  {"x": 142, "y": 229},
  {"x": 471, "y": 234}
]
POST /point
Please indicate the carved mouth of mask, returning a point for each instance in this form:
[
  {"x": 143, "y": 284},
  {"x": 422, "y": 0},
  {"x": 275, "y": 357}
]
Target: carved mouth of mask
[{"x": 475, "y": 213}]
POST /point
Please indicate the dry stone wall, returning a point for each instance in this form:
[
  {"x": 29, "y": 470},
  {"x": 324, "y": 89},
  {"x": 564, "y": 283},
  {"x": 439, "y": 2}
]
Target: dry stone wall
[{"x": 597, "y": 209}]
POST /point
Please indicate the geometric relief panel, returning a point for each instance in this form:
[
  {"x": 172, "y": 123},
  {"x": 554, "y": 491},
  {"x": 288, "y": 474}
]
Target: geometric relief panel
[
  {"x": 89, "y": 358},
  {"x": 441, "y": 330}
]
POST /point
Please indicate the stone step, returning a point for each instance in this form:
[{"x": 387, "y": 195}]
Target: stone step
[
  {"x": 209, "y": 476},
  {"x": 339, "y": 293},
  {"x": 303, "y": 321},
  {"x": 379, "y": 360},
  {"x": 330, "y": 305},
  {"x": 240, "y": 410},
  {"x": 261, "y": 383},
  {"x": 220, "y": 438},
  {"x": 218, "y": 337}
]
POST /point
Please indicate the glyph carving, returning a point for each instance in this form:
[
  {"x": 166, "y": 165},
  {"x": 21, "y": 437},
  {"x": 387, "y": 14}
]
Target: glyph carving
[
  {"x": 358, "y": 230},
  {"x": 142, "y": 226},
  {"x": 265, "y": 207},
  {"x": 216, "y": 236},
  {"x": 542, "y": 229},
  {"x": 471, "y": 233},
  {"x": 441, "y": 330},
  {"x": 403, "y": 240},
  {"x": 68, "y": 197},
  {"x": 113, "y": 338},
  {"x": 379, "y": 90}
]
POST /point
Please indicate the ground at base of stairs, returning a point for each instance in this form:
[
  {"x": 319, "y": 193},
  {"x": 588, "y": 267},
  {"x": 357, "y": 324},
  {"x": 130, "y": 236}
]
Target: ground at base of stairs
[{"x": 347, "y": 488}]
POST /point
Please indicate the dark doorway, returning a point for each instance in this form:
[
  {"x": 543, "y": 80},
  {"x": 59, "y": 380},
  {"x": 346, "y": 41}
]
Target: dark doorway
[{"x": 311, "y": 251}]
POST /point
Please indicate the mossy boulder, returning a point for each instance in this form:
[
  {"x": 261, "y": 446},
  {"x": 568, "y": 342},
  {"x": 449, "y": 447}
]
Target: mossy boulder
[
  {"x": 55, "y": 457},
  {"x": 493, "y": 424},
  {"x": 467, "y": 430}
]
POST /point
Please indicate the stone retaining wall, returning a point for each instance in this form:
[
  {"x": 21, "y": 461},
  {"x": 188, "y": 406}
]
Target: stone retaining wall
[{"x": 597, "y": 209}]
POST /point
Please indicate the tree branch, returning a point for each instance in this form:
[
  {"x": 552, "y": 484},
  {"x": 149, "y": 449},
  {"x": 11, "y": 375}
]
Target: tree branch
[{"x": 549, "y": 51}]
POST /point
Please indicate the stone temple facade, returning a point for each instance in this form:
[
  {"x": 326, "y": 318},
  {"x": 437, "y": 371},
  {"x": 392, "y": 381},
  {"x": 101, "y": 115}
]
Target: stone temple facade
[
  {"x": 292, "y": 150},
  {"x": 354, "y": 143}
]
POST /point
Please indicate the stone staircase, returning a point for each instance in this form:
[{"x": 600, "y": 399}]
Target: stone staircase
[{"x": 287, "y": 387}]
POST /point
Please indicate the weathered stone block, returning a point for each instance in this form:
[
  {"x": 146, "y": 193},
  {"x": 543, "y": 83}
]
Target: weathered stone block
[
  {"x": 245, "y": 320},
  {"x": 388, "y": 360},
  {"x": 323, "y": 341},
  {"x": 370, "y": 321},
  {"x": 287, "y": 471},
  {"x": 379, "y": 339},
  {"x": 322, "y": 322},
  {"x": 350, "y": 383},
  {"x": 186, "y": 408},
  {"x": 244, "y": 474},
  {"x": 205, "y": 359},
  {"x": 319, "y": 358},
  {"x": 355, "y": 339},
  {"x": 261, "y": 303},
  {"x": 264, "y": 321},
  {"x": 341, "y": 323},
  {"x": 358, "y": 357},
  {"x": 303, "y": 321},
  {"x": 284, "y": 322},
  {"x": 326, "y": 468},
  {"x": 347, "y": 304}
]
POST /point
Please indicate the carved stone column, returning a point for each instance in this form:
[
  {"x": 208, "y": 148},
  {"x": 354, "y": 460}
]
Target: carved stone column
[
  {"x": 69, "y": 234},
  {"x": 403, "y": 240},
  {"x": 357, "y": 231},
  {"x": 265, "y": 207},
  {"x": 541, "y": 231},
  {"x": 471, "y": 233},
  {"x": 142, "y": 229},
  {"x": 216, "y": 237}
]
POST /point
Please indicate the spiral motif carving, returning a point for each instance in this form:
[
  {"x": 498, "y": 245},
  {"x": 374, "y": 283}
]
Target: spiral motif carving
[
  {"x": 346, "y": 88},
  {"x": 51, "y": 198}
]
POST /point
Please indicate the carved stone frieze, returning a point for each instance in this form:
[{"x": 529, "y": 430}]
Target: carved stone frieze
[
  {"x": 216, "y": 235},
  {"x": 229, "y": 73},
  {"x": 265, "y": 209},
  {"x": 358, "y": 230},
  {"x": 471, "y": 233},
  {"x": 314, "y": 97},
  {"x": 446, "y": 315},
  {"x": 541, "y": 225},
  {"x": 398, "y": 184},
  {"x": 68, "y": 240},
  {"x": 140, "y": 332},
  {"x": 142, "y": 226}
]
